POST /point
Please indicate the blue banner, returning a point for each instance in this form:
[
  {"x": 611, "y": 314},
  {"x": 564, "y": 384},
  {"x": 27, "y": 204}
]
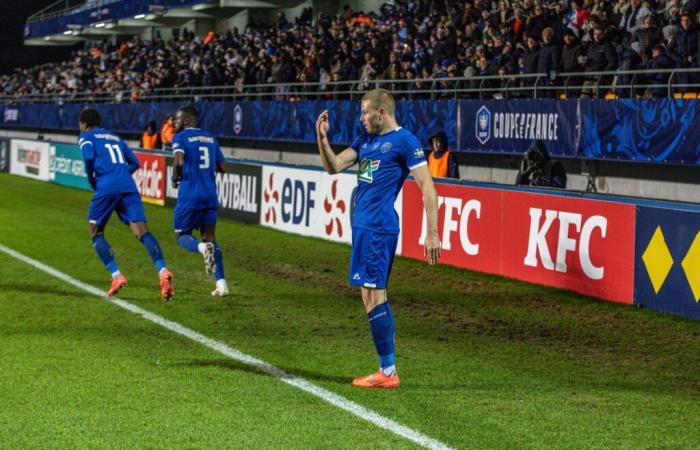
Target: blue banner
[
  {"x": 659, "y": 130},
  {"x": 667, "y": 261},
  {"x": 509, "y": 127},
  {"x": 654, "y": 130},
  {"x": 271, "y": 121}
]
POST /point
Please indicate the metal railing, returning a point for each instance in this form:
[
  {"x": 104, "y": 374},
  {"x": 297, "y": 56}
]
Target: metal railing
[
  {"x": 57, "y": 9},
  {"x": 623, "y": 84}
]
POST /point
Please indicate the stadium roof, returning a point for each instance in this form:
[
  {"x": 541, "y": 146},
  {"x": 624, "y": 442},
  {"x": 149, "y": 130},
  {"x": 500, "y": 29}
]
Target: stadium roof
[{"x": 67, "y": 22}]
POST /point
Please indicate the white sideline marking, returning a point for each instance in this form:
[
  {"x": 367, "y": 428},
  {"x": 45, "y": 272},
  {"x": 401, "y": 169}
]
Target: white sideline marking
[{"x": 292, "y": 380}]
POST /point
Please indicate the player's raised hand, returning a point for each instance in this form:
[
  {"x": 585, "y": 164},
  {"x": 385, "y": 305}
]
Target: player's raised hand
[
  {"x": 432, "y": 248},
  {"x": 322, "y": 124}
]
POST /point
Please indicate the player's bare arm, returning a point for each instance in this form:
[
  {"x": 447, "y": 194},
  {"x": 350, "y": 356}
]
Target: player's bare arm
[
  {"x": 425, "y": 183},
  {"x": 178, "y": 162},
  {"x": 331, "y": 162}
]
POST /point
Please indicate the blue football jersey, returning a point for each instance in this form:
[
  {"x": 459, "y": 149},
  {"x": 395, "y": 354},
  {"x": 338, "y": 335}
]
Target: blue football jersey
[
  {"x": 385, "y": 162},
  {"x": 109, "y": 162},
  {"x": 202, "y": 154}
]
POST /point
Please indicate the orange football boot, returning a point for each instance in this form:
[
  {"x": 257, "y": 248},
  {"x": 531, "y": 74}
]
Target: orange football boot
[
  {"x": 117, "y": 284},
  {"x": 377, "y": 380},
  {"x": 166, "y": 285}
]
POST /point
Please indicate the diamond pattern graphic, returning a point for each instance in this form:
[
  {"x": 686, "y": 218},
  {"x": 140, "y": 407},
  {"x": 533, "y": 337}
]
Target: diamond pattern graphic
[
  {"x": 691, "y": 267},
  {"x": 657, "y": 259}
]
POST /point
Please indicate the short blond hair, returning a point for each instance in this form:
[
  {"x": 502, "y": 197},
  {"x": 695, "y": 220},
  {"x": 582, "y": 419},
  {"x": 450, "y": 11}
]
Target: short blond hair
[{"x": 381, "y": 98}]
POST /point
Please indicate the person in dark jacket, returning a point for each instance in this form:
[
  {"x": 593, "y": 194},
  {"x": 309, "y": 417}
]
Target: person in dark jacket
[
  {"x": 548, "y": 60},
  {"x": 571, "y": 57},
  {"x": 539, "y": 169},
  {"x": 601, "y": 57},
  {"x": 683, "y": 48},
  {"x": 530, "y": 59},
  {"x": 659, "y": 60},
  {"x": 441, "y": 161},
  {"x": 647, "y": 37}
]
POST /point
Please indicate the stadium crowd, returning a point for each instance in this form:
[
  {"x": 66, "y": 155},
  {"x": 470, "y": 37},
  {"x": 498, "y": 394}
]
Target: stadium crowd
[{"x": 421, "y": 40}]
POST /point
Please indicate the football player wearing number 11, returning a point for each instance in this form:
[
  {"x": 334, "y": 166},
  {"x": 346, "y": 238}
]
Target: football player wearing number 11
[
  {"x": 197, "y": 157},
  {"x": 109, "y": 163},
  {"x": 386, "y": 154}
]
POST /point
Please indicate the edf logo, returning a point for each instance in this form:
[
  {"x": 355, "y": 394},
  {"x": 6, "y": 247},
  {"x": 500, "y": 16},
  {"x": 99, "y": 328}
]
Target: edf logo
[
  {"x": 297, "y": 201},
  {"x": 237, "y": 119},
  {"x": 483, "y": 125}
]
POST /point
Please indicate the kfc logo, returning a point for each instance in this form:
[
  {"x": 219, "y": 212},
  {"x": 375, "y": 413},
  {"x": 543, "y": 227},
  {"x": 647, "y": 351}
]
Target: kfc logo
[
  {"x": 455, "y": 219},
  {"x": 538, "y": 250}
]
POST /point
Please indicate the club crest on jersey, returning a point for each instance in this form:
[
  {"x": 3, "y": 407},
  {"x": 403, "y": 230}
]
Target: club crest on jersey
[
  {"x": 385, "y": 147},
  {"x": 367, "y": 167}
]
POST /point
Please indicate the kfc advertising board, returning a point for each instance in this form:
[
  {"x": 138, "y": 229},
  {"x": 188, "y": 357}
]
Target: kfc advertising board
[
  {"x": 468, "y": 220},
  {"x": 583, "y": 245},
  {"x": 150, "y": 178},
  {"x": 579, "y": 244}
]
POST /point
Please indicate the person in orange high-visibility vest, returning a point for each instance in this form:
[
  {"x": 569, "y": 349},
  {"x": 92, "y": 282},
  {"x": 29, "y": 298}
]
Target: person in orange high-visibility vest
[
  {"x": 167, "y": 131},
  {"x": 150, "y": 139},
  {"x": 441, "y": 161}
]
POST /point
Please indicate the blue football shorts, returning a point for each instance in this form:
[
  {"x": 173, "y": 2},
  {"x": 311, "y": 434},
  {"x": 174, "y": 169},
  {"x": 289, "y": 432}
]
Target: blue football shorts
[
  {"x": 372, "y": 257},
  {"x": 127, "y": 205},
  {"x": 187, "y": 219}
]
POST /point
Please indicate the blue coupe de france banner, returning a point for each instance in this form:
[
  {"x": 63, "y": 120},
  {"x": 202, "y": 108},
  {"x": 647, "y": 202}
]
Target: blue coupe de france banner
[
  {"x": 509, "y": 127},
  {"x": 655, "y": 130}
]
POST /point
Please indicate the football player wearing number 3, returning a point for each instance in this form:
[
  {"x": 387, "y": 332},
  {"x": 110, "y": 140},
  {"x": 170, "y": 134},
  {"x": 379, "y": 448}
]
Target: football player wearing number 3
[
  {"x": 197, "y": 157},
  {"x": 109, "y": 163}
]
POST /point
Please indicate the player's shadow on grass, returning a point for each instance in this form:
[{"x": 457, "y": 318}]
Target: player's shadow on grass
[
  {"x": 7, "y": 288},
  {"x": 281, "y": 372}
]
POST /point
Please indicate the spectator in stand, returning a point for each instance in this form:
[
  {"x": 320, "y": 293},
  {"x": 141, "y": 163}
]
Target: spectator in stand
[
  {"x": 150, "y": 139},
  {"x": 683, "y": 48},
  {"x": 548, "y": 60},
  {"x": 531, "y": 60},
  {"x": 647, "y": 37},
  {"x": 577, "y": 17},
  {"x": 601, "y": 57},
  {"x": 659, "y": 60},
  {"x": 442, "y": 162},
  {"x": 539, "y": 169}
]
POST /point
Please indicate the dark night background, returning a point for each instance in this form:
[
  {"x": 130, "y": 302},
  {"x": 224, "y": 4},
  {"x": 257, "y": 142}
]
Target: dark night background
[{"x": 14, "y": 53}]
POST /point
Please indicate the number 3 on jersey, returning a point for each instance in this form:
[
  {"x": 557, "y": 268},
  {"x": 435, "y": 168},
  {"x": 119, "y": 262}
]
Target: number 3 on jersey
[
  {"x": 115, "y": 153},
  {"x": 203, "y": 157}
]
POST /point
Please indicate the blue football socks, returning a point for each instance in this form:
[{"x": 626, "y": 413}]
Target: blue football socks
[
  {"x": 104, "y": 251},
  {"x": 219, "y": 259},
  {"x": 381, "y": 325},
  {"x": 149, "y": 241},
  {"x": 188, "y": 242}
]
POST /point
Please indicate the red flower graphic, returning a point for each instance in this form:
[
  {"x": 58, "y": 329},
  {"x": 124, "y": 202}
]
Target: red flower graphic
[
  {"x": 330, "y": 205},
  {"x": 271, "y": 196}
]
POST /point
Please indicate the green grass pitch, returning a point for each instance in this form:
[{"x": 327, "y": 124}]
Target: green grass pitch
[{"x": 485, "y": 362}]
